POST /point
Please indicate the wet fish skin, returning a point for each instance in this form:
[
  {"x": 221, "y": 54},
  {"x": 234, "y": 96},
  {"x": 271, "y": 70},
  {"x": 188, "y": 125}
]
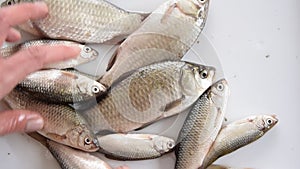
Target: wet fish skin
[
  {"x": 69, "y": 158},
  {"x": 238, "y": 134},
  {"x": 59, "y": 86},
  {"x": 135, "y": 146},
  {"x": 61, "y": 123},
  {"x": 167, "y": 34},
  {"x": 223, "y": 167},
  {"x": 87, "y": 53},
  {"x": 201, "y": 127},
  {"x": 148, "y": 94},
  {"x": 86, "y": 21}
]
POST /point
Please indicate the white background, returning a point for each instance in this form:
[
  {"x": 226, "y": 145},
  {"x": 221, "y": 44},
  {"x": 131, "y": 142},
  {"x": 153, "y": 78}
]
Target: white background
[{"x": 258, "y": 44}]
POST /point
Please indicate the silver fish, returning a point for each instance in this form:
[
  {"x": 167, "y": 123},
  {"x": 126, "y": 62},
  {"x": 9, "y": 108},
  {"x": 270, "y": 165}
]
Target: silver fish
[
  {"x": 149, "y": 94},
  {"x": 69, "y": 158},
  {"x": 61, "y": 123},
  {"x": 87, "y": 53},
  {"x": 60, "y": 86},
  {"x": 238, "y": 134},
  {"x": 201, "y": 127},
  {"x": 134, "y": 146},
  {"x": 223, "y": 167},
  {"x": 167, "y": 34},
  {"x": 86, "y": 21}
]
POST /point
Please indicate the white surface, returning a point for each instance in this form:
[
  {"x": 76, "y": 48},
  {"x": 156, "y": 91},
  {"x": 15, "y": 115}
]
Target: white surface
[{"x": 244, "y": 33}]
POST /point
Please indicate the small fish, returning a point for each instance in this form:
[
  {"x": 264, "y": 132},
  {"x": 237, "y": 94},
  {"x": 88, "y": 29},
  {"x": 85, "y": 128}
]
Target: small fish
[
  {"x": 223, "y": 167},
  {"x": 148, "y": 94},
  {"x": 87, "y": 53},
  {"x": 134, "y": 146},
  {"x": 238, "y": 134},
  {"x": 61, "y": 123},
  {"x": 69, "y": 158},
  {"x": 166, "y": 34},
  {"x": 201, "y": 127},
  {"x": 86, "y": 21},
  {"x": 59, "y": 86}
]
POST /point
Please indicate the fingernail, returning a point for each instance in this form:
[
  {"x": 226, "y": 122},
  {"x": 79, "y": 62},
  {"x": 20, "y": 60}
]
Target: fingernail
[
  {"x": 34, "y": 124},
  {"x": 75, "y": 49}
]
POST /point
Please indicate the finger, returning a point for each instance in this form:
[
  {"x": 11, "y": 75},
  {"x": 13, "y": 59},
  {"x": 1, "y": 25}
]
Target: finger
[
  {"x": 18, "y": 14},
  {"x": 17, "y": 67},
  {"x": 13, "y": 35},
  {"x": 20, "y": 121}
]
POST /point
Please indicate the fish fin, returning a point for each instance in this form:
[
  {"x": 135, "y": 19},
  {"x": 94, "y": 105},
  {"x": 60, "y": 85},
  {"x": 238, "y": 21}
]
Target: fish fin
[
  {"x": 105, "y": 132},
  {"x": 83, "y": 105},
  {"x": 168, "y": 12},
  {"x": 112, "y": 60},
  {"x": 122, "y": 77},
  {"x": 54, "y": 136},
  {"x": 69, "y": 74},
  {"x": 173, "y": 104}
]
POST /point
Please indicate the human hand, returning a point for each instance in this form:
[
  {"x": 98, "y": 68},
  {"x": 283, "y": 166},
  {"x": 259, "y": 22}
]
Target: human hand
[{"x": 17, "y": 67}]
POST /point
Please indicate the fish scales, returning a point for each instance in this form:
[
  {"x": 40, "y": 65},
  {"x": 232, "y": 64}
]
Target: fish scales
[
  {"x": 87, "y": 53},
  {"x": 59, "y": 86},
  {"x": 167, "y": 34},
  {"x": 148, "y": 94},
  {"x": 88, "y": 21},
  {"x": 61, "y": 123},
  {"x": 201, "y": 127},
  {"x": 134, "y": 146},
  {"x": 69, "y": 158},
  {"x": 238, "y": 134}
]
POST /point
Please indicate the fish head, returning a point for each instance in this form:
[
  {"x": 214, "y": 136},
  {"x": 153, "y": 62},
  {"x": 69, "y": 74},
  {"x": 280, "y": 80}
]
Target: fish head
[
  {"x": 219, "y": 92},
  {"x": 163, "y": 144},
  {"x": 204, "y": 76},
  {"x": 81, "y": 137},
  {"x": 265, "y": 122},
  {"x": 88, "y": 53},
  {"x": 95, "y": 88}
]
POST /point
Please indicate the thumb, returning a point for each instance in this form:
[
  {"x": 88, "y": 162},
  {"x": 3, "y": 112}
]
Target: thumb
[{"x": 20, "y": 121}]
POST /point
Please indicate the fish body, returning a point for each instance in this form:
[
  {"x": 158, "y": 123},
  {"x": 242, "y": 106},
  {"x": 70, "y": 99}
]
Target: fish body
[
  {"x": 223, "y": 167},
  {"x": 61, "y": 123},
  {"x": 59, "y": 86},
  {"x": 86, "y": 21},
  {"x": 201, "y": 127},
  {"x": 69, "y": 158},
  {"x": 238, "y": 134},
  {"x": 134, "y": 146},
  {"x": 166, "y": 34},
  {"x": 148, "y": 94},
  {"x": 87, "y": 53}
]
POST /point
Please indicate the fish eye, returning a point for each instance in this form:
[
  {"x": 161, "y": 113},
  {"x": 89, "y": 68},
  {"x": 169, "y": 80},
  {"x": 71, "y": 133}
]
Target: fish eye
[
  {"x": 170, "y": 145},
  {"x": 87, "y": 141},
  {"x": 204, "y": 74},
  {"x": 220, "y": 87},
  {"x": 269, "y": 121},
  {"x": 9, "y": 3},
  {"x": 95, "y": 89},
  {"x": 87, "y": 49}
]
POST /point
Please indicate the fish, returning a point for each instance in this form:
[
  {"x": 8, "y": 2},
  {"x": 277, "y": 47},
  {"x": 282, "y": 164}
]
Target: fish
[
  {"x": 238, "y": 134},
  {"x": 59, "y": 86},
  {"x": 69, "y": 158},
  {"x": 166, "y": 34},
  {"x": 134, "y": 146},
  {"x": 87, "y": 53},
  {"x": 201, "y": 126},
  {"x": 61, "y": 123},
  {"x": 223, "y": 167},
  {"x": 148, "y": 94},
  {"x": 85, "y": 21}
]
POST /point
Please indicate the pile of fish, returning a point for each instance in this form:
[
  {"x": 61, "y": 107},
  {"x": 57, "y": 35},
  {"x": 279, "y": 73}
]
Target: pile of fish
[{"x": 145, "y": 81}]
